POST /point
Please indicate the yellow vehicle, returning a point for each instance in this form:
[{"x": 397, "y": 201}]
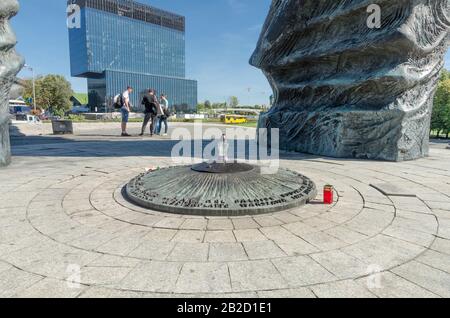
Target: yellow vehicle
[{"x": 234, "y": 119}]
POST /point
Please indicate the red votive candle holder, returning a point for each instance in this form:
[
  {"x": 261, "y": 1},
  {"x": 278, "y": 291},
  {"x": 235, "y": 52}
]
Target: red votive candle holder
[{"x": 328, "y": 194}]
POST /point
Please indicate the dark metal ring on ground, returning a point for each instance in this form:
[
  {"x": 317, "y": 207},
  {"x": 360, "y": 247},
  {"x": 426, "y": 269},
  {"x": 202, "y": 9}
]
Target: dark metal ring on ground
[{"x": 231, "y": 189}]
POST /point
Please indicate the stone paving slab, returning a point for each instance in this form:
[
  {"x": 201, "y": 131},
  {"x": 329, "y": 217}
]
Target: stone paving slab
[
  {"x": 394, "y": 286},
  {"x": 200, "y": 278},
  {"x": 428, "y": 277},
  {"x": 255, "y": 275},
  {"x": 389, "y": 189},
  {"x": 342, "y": 289}
]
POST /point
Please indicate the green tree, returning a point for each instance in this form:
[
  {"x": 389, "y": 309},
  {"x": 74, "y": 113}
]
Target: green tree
[
  {"x": 445, "y": 75},
  {"x": 440, "y": 119},
  {"x": 200, "y": 107},
  {"x": 218, "y": 105},
  {"x": 53, "y": 92},
  {"x": 233, "y": 102}
]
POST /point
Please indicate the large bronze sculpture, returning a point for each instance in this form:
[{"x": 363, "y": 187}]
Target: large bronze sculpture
[
  {"x": 347, "y": 86},
  {"x": 10, "y": 65}
]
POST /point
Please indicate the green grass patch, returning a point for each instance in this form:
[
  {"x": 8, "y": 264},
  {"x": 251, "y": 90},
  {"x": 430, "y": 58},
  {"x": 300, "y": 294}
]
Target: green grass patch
[{"x": 250, "y": 124}]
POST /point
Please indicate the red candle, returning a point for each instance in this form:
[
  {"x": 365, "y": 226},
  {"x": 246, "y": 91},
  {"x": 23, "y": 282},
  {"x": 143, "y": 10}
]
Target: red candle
[{"x": 328, "y": 194}]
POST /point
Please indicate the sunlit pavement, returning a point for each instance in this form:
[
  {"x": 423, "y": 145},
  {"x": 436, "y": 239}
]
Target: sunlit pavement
[{"x": 63, "y": 220}]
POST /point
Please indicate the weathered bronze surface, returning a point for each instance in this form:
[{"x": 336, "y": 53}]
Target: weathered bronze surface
[
  {"x": 10, "y": 65},
  {"x": 220, "y": 190},
  {"x": 346, "y": 88}
]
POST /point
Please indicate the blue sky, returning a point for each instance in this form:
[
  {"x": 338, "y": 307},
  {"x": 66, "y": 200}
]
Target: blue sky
[{"x": 221, "y": 35}]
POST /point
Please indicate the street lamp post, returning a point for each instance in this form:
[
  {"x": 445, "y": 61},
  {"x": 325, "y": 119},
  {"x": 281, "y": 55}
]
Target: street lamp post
[{"x": 34, "y": 85}]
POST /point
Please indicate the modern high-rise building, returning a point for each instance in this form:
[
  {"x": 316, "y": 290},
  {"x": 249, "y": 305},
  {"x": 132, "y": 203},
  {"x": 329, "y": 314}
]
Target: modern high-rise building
[{"x": 120, "y": 43}]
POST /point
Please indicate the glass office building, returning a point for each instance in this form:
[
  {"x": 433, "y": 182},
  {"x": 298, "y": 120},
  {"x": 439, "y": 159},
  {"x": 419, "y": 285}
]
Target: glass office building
[{"x": 122, "y": 43}]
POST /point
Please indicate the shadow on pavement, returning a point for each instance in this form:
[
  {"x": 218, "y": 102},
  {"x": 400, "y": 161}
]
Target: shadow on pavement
[
  {"x": 101, "y": 145},
  {"x": 108, "y": 146}
]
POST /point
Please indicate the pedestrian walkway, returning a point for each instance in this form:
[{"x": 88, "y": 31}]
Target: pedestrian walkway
[{"x": 63, "y": 219}]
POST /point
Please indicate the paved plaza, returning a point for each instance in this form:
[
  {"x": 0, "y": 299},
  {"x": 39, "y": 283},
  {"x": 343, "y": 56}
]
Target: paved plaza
[{"x": 63, "y": 219}]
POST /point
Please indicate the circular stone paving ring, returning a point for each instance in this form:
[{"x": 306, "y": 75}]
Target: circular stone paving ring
[{"x": 220, "y": 189}]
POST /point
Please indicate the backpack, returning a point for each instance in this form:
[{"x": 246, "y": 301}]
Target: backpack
[
  {"x": 166, "y": 111},
  {"x": 149, "y": 105},
  {"x": 118, "y": 101}
]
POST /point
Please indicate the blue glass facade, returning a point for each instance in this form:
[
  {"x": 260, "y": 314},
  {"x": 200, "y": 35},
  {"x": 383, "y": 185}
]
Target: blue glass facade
[{"x": 123, "y": 43}]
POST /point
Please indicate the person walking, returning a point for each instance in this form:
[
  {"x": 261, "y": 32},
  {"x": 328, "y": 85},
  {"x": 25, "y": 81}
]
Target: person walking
[
  {"x": 165, "y": 114},
  {"x": 160, "y": 113},
  {"x": 125, "y": 110},
  {"x": 150, "y": 102}
]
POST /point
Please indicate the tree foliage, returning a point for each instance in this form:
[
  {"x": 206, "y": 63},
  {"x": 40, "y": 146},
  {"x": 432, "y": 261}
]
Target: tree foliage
[
  {"x": 233, "y": 102},
  {"x": 53, "y": 92},
  {"x": 208, "y": 107},
  {"x": 440, "y": 119}
]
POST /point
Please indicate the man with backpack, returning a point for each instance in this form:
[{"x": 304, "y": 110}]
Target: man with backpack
[
  {"x": 151, "y": 111},
  {"x": 122, "y": 101}
]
